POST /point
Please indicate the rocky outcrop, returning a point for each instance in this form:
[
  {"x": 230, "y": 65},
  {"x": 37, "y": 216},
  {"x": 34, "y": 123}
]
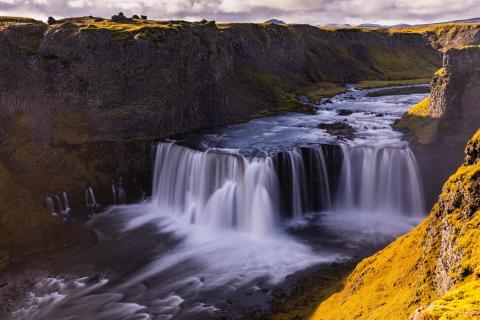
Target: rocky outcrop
[
  {"x": 430, "y": 272},
  {"x": 452, "y": 35},
  {"x": 451, "y": 115}
]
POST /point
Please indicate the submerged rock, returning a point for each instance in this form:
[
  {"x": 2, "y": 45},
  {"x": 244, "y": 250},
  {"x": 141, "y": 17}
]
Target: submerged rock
[
  {"x": 338, "y": 129},
  {"x": 344, "y": 112}
]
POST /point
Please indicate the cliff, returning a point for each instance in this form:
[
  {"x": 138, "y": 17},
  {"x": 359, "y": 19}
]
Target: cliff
[
  {"x": 81, "y": 101},
  {"x": 430, "y": 273},
  {"x": 446, "y": 36},
  {"x": 439, "y": 126}
]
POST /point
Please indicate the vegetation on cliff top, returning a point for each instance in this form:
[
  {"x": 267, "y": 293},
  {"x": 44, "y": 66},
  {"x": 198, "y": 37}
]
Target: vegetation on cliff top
[
  {"x": 432, "y": 272},
  {"x": 8, "y": 21},
  {"x": 417, "y": 123}
]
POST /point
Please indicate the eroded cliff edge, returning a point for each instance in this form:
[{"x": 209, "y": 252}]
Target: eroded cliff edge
[
  {"x": 432, "y": 272},
  {"x": 439, "y": 126}
]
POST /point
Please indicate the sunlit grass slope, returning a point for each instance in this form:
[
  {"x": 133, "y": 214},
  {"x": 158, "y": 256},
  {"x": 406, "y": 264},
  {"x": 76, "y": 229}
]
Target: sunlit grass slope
[{"x": 433, "y": 272}]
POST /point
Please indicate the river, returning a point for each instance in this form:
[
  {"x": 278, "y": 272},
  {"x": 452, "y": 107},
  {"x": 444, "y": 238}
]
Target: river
[{"x": 236, "y": 211}]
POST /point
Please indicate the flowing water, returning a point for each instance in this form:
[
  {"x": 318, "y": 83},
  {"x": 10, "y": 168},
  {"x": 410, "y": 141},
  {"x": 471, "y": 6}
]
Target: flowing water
[{"x": 235, "y": 211}]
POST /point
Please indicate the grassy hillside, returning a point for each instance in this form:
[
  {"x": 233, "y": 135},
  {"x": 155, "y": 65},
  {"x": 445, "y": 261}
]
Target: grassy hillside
[{"x": 432, "y": 272}]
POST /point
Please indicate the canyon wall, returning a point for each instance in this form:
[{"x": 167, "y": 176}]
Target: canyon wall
[
  {"x": 439, "y": 128},
  {"x": 82, "y": 101}
]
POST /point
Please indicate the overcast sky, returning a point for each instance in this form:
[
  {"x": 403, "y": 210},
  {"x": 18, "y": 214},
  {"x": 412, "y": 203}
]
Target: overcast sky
[{"x": 291, "y": 11}]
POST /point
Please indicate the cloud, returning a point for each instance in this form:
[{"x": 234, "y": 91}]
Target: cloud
[{"x": 292, "y": 11}]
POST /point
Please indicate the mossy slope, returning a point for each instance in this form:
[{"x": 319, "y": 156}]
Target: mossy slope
[
  {"x": 418, "y": 123},
  {"x": 433, "y": 272}
]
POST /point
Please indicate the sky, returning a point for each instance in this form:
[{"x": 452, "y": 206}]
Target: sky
[{"x": 315, "y": 12}]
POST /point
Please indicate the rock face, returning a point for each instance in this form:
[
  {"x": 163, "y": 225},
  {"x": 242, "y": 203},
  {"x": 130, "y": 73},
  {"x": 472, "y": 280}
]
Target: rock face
[
  {"x": 453, "y": 115},
  {"x": 448, "y": 36},
  {"x": 430, "y": 273},
  {"x": 342, "y": 129}
]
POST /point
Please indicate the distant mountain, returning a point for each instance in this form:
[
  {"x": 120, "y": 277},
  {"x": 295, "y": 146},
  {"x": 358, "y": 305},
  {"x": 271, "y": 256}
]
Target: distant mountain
[
  {"x": 275, "y": 21},
  {"x": 370, "y": 25},
  {"x": 466, "y": 20},
  {"x": 401, "y": 25},
  {"x": 337, "y": 25},
  {"x": 470, "y": 20}
]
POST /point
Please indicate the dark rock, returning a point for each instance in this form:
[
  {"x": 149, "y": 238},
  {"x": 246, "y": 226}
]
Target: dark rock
[
  {"x": 51, "y": 20},
  {"x": 278, "y": 293},
  {"x": 379, "y": 115},
  {"x": 344, "y": 112},
  {"x": 338, "y": 129},
  {"x": 143, "y": 17},
  {"x": 120, "y": 17},
  {"x": 135, "y": 17},
  {"x": 472, "y": 151}
]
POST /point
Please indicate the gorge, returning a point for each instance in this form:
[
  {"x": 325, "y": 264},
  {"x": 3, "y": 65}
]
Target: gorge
[{"x": 174, "y": 153}]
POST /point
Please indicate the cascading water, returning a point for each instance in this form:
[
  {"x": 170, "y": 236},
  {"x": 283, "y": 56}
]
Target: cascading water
[
  {"x": 215, "y": 189},
  {"x": 228, "y": 190},
  {"x": 379, "y": 180},
  {"x": 90, "y": 201},
  {"x": 58, "y": 204}
]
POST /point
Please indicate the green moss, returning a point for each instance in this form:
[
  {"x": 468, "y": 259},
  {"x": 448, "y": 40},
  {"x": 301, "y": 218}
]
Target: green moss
[
  {"x": 8, "y": 21},
  {"x": 28, "y": 49},
  {"x": 123, "y": 117},
  {"x": 372, "y": 84},
  {"x": 442, "y": 72},
  {"x": 418, "y": 124},
  {"x": 325, "y": 90}
]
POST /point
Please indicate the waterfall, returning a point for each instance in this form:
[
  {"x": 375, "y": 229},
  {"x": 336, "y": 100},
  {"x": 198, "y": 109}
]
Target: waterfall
[
  {"x": 58, "y": 204},
  {"x": 379, "y": 180},
  {"x": 223, "y": 190},
  {"x": 90, "y": 201},
  {"x": 118, "y": 192},
  {"x": 51, "y": 206},
  {"x": 228, "y": 190}
]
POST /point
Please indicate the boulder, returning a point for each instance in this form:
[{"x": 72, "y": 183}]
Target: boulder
[
  {"x": 344, "y": 112},
  {"x": 341, "y": 129},
  {"x": 51, "y": 20}
]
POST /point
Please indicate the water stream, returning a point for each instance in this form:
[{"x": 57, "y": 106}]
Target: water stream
[{"x": 236, "y": 210}]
